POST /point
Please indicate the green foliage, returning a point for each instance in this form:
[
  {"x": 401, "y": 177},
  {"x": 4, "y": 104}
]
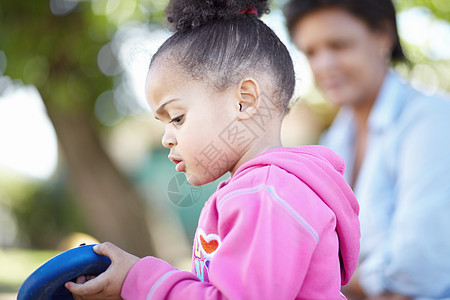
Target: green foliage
[
  {"x": 17, "y": 265},
  {"x": 57, "y": 54},
  {"x": 432, "y": 73},
  {"x": 45, "y": 212},
  {"x": 440, "y": 8}
]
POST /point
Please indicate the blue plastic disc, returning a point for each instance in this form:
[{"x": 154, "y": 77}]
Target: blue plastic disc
[{"x": 47, "y": 282}]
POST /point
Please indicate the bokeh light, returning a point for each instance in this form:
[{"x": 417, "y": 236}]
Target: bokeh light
[
  {"x": 418, "y": 26},
  {"x": 62, "y": 7},
  {"x": 107, "y": 61},
  {"x": 105, "y": 109}
]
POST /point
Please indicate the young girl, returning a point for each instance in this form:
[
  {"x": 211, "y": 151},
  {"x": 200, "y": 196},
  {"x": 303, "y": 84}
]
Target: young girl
[{"x": 285, "y": 225}]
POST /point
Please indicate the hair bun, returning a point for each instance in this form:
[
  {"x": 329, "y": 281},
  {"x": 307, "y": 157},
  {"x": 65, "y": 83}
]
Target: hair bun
[{"x": 188, "y": 14}]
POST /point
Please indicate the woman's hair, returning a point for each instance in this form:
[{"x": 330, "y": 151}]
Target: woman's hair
[
  {"x": 375, "y": 13},
  {"x": 224, "y": 41}
]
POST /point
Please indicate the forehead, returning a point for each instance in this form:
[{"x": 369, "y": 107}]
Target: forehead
[
  {"x": 164, "y": 69},
  {"x": 163, "y": 78},
  {"x": 328, "y": 23},
  {"x": 166, "y": 81}
]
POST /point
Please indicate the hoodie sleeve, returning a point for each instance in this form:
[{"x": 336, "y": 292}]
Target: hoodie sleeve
[{"x": 265, "y": 252}]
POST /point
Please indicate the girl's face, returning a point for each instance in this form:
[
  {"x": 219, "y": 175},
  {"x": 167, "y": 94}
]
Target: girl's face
[
  {"x": 347, "y": 58},
  {"x": 196, "y": 118}
]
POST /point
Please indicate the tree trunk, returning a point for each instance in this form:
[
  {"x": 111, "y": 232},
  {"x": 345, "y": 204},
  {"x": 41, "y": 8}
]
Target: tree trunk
[{"x": 112, "y": 207}]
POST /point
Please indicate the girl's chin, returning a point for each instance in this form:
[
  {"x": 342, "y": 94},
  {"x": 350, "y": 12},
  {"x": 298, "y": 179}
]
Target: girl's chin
[
  {"x": 198, "y": 181},
  {"x": 193, "y": 180}
]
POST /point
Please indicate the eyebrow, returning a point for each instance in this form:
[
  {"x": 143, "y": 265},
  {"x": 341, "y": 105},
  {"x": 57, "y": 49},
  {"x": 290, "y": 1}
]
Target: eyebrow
[{"x": 161, "y": 107}]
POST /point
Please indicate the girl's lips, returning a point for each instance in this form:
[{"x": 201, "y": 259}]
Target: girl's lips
[{"x": 181, "y": 166}]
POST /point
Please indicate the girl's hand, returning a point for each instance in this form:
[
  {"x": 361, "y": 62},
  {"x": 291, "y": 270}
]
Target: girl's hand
[{"x": 108, "y": 284}]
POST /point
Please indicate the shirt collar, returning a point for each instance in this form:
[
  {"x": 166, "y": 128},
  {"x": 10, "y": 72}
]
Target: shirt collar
[{"x": 389, "y": 103}]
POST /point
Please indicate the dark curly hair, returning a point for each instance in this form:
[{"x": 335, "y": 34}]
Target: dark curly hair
[
  {"x": 374, "y": 13},
  {"x": 214, "y": 41}
]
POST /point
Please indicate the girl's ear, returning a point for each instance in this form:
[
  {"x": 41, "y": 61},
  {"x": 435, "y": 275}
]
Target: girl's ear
[{"x": 249, "y": 98}]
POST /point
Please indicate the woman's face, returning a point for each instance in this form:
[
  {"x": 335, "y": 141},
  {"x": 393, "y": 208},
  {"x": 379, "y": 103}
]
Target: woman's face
[{"x": 347, "y": 58}]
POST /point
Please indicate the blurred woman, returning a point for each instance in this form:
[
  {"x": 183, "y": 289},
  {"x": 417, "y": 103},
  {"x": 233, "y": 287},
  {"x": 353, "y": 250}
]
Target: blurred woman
[{"x": 394, "y": 139}]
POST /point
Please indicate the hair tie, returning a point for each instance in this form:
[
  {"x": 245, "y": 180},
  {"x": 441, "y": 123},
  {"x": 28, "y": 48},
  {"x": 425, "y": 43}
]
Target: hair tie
[{"x": 251, "y": 10}]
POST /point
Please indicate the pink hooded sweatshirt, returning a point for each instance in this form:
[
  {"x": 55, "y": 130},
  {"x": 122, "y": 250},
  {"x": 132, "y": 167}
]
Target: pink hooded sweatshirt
[{"x": 285, "y": 226}]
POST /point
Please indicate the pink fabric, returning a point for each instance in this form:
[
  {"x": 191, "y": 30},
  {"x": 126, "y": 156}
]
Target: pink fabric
[{"x": 285, "y": 226}]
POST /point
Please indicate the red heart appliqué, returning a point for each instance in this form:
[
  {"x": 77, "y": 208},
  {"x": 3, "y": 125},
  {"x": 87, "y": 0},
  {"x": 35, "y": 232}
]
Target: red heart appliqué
[{"x": 209, "y": 246}]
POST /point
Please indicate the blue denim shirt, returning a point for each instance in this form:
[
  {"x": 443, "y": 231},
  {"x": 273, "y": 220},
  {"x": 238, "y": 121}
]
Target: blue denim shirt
[{"x": 403, "y": 188}]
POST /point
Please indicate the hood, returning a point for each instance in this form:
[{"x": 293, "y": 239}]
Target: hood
[{"x": 322, "y": 170}]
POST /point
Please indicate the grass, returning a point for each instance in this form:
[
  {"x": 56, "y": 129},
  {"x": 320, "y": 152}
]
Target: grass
[{"x": 18, "y": 264}]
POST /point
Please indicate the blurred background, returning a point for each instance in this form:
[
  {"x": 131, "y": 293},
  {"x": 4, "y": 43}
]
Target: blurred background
[{"x": 80, "y": 153}]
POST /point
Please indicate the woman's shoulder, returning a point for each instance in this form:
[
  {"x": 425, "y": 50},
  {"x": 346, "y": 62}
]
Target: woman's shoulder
[
  {"x": 432, "y": 106},
  {"x": 416, "y": 101},
  {"x": 422, "y": 96}
]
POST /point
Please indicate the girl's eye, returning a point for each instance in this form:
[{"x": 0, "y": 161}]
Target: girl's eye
[{"x": 177, "y": 119}]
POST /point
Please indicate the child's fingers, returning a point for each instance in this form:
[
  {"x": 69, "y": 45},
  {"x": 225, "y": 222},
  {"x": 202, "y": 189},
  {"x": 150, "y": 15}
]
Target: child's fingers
[
  {"x": 89, "y": 288},
  {"x": 84, "y": 279},
  {"x": 117, "y": 255},
  {"x": 81, "y": 279},
  {"x": 108, "y": 249},
  {"x": 108, "y": 282}
]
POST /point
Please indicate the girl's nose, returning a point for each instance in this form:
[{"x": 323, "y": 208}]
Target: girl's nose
[{"x": 168, "y": 140}]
